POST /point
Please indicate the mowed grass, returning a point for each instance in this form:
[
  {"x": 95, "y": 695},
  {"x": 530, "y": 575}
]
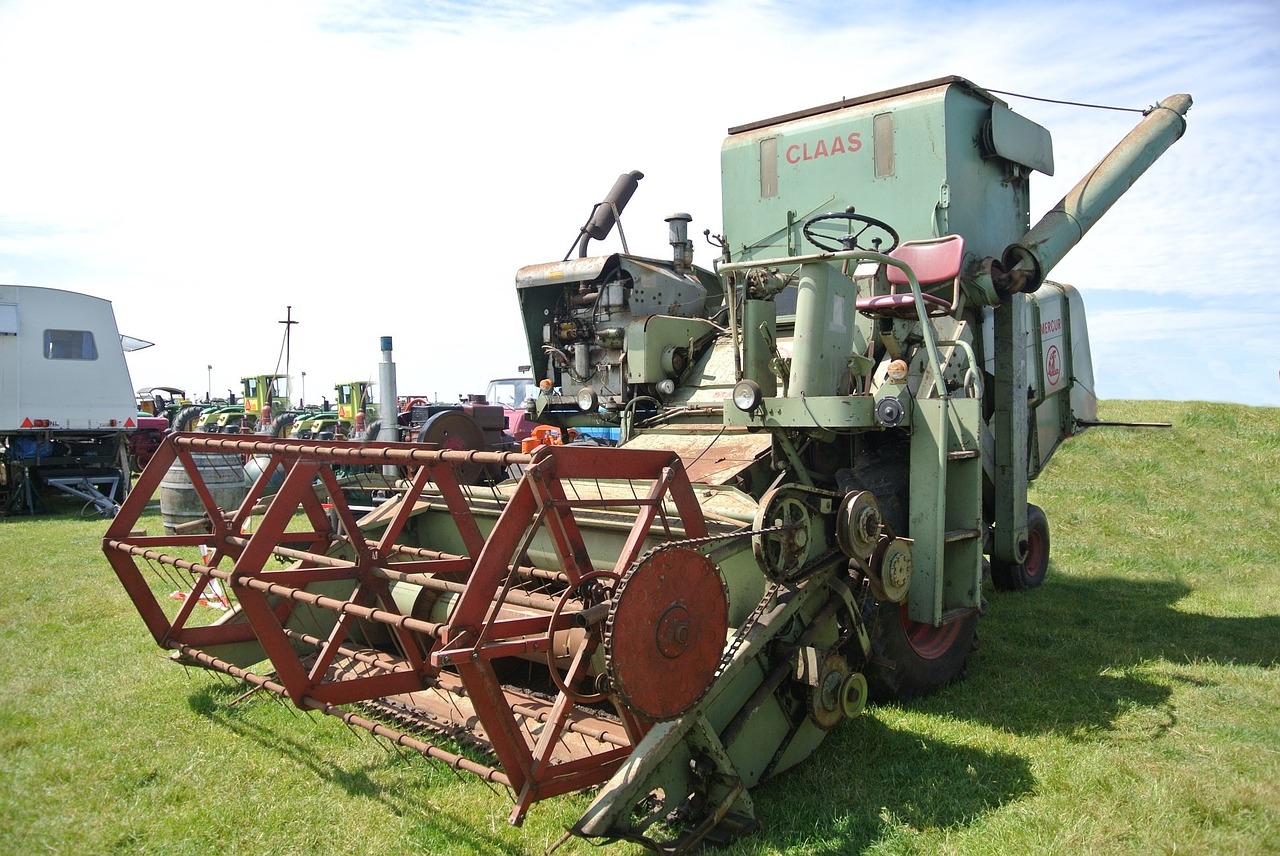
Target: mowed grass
[{"x": 1130, "y": 705}]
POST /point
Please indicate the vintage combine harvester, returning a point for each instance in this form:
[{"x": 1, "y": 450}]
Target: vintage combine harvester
[{"x": 822, "y": 444}]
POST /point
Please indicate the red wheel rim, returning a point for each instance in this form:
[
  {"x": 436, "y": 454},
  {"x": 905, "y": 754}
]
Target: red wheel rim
[
  {"x": 927, "y": 641},
  {"x": 1034, "y": 565}
]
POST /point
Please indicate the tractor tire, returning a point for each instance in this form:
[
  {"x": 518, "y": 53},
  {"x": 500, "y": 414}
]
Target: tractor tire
[
  {"x": 1018, "y": 576},
  {"x": 185, "y": 419},
  {"x": 910, "y": 660},
  {"x": 280, "y": 426}
]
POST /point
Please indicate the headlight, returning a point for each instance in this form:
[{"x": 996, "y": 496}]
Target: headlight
[{"x": 747, "y": 395}]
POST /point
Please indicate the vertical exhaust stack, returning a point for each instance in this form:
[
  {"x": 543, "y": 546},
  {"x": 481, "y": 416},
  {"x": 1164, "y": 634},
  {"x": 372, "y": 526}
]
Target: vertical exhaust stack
[
  {"x": 387, "y": 409},
  {"x": 678, "y": 237},
  {"x": 1027, "y": 261}
]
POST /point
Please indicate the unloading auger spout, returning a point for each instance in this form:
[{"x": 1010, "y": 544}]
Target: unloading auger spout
[{"x": 1026, "y": 263}]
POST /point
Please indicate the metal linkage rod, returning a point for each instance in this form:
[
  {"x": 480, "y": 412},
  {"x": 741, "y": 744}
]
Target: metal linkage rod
[
  {"x": 457, "y": 762},
  {"x": 341, "y": 607},
  {"x": 598, "y": 734},
  {"x": 524, "y": 571},
  {"x": 346, "y": 453}
]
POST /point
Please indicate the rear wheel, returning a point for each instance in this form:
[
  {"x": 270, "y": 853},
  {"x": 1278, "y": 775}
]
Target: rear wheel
[
  {"x": 1028, "y": 574},
  {"x": 910, "y": 659}
]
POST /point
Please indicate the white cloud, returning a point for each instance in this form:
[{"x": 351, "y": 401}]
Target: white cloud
[{"x": 385, "y": 169}]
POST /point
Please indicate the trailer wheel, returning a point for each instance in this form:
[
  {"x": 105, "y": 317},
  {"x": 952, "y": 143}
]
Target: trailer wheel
[
  {"x": 1016, "y": 576},
  {"x": 910, "y": 659}
]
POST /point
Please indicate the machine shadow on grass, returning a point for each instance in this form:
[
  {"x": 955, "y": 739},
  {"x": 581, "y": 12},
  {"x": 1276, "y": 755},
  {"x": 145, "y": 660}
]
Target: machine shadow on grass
[
  {"x": 1068, "y": 658},
  {"x": 892, "y": 778},
  {"x": 1064, "y": 659}
]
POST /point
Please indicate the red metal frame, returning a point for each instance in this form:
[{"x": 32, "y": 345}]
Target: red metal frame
[{"x": 455, "y": 657}]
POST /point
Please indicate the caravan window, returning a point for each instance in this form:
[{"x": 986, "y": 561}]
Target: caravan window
[{"x": 69, "y": 345}]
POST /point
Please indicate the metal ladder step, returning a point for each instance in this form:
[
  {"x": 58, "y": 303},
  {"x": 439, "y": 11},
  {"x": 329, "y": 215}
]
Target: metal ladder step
[{"x": 954, "y": 535}]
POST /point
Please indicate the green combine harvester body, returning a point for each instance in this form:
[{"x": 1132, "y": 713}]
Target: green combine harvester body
[{"x": 758, "y": 496}]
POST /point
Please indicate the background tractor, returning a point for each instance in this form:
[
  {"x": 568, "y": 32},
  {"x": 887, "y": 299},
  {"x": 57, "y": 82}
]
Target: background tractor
[
  {"x": 353, "y": 405},
  {"x": 822, "y": 443},
  {"x": 269, "y": 392}
]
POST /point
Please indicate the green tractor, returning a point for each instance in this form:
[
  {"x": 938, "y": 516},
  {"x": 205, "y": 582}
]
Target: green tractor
[
  {"x": 352, "y": 411},
  {"x": 262, "y": 393}
]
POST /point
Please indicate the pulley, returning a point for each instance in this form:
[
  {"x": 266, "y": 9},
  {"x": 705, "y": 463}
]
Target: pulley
[
  {"x": 793, "y": 531},
  {"x": 826, "y": 692},
  {"x": 890, "y": 569},
  {"x": 858, "y": 524}
]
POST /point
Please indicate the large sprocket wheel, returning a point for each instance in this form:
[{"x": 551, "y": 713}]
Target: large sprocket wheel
[
  {"x": 1029, "y": 573},
  {"x": 666, "y": 632},
  {"x": 910, "y": 659},
  {"x": 455, "y": 431}
]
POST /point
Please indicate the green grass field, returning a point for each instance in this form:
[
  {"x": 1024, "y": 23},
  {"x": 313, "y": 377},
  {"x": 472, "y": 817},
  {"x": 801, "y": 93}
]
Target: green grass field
[{"x": 1130, "y": 705}]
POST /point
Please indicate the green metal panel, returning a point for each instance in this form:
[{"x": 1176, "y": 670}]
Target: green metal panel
[
  {"x": 827, "y": 413},
  {"x": 824, "y": 334},
  {"x": 946, "y": 508},
  {"x": 652, "y": 343},
  {"x": 759, "y": 330},
  {"x": 1009, "y": 427},
  {"x": 943, "y": 175},
  {"x": 1061, "y": 369}
]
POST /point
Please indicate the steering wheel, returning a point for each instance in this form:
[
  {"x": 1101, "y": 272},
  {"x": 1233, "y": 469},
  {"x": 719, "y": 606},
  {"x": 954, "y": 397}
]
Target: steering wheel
[{"x": 853, "y": 238}]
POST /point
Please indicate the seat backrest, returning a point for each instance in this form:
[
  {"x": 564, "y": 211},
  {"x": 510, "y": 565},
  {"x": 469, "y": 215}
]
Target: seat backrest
[{"x": 933, "y": 260}]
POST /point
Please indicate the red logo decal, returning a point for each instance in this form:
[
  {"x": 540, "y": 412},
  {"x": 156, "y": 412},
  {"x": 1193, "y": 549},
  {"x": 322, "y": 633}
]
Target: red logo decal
[
  {"x": 1054, "y": 367},
  {"x": 798, "y": 152}
]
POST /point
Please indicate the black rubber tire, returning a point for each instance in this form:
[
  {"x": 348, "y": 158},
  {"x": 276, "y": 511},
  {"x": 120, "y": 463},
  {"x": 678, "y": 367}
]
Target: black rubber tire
[
  {"x": 281, "y": 425},
  {"x": 910, "y": 660},
  {"x": 185, "y": 419},
  {"x": 1019, "y": 576}
]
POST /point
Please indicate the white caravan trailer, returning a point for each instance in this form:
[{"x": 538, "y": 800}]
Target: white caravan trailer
[{"x": 66, "y": 400}]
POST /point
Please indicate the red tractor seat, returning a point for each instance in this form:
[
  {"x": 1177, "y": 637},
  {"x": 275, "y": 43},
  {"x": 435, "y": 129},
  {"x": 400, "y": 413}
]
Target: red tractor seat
[{"x": 934, "y": 261}]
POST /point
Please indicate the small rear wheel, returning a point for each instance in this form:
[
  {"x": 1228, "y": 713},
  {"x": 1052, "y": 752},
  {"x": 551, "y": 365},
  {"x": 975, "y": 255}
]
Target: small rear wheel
[
  {"x": 910, "y": 659},
  {"x": 1028, "y": 574}
]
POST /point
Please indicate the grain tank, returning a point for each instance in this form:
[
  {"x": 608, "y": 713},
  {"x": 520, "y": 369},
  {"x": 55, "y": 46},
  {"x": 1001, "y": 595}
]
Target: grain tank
[{"x": 822, "y": 442}]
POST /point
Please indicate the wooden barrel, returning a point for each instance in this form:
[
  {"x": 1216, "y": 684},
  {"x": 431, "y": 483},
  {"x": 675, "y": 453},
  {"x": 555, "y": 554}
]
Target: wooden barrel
[{"x": 223, "y": 476}]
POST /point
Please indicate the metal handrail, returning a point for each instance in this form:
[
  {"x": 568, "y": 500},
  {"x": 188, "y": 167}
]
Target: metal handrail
[{"x": 930, "y": 344}]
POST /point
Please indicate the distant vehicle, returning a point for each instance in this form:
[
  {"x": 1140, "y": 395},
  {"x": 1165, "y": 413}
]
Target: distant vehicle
[
  {"x": 516, "y": 395},
  {"x": 352, "y": 410},
  {"x": 162, "y": 400},
  {"x": 67, "y": 404}
]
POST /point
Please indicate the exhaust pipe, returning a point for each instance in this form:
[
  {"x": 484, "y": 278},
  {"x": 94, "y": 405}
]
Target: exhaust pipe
[{"x": 606, "y": 214}]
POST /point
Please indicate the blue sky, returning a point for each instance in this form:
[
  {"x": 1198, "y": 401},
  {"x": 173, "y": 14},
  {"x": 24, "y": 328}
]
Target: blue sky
[{"x": 385, "y": 168}]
